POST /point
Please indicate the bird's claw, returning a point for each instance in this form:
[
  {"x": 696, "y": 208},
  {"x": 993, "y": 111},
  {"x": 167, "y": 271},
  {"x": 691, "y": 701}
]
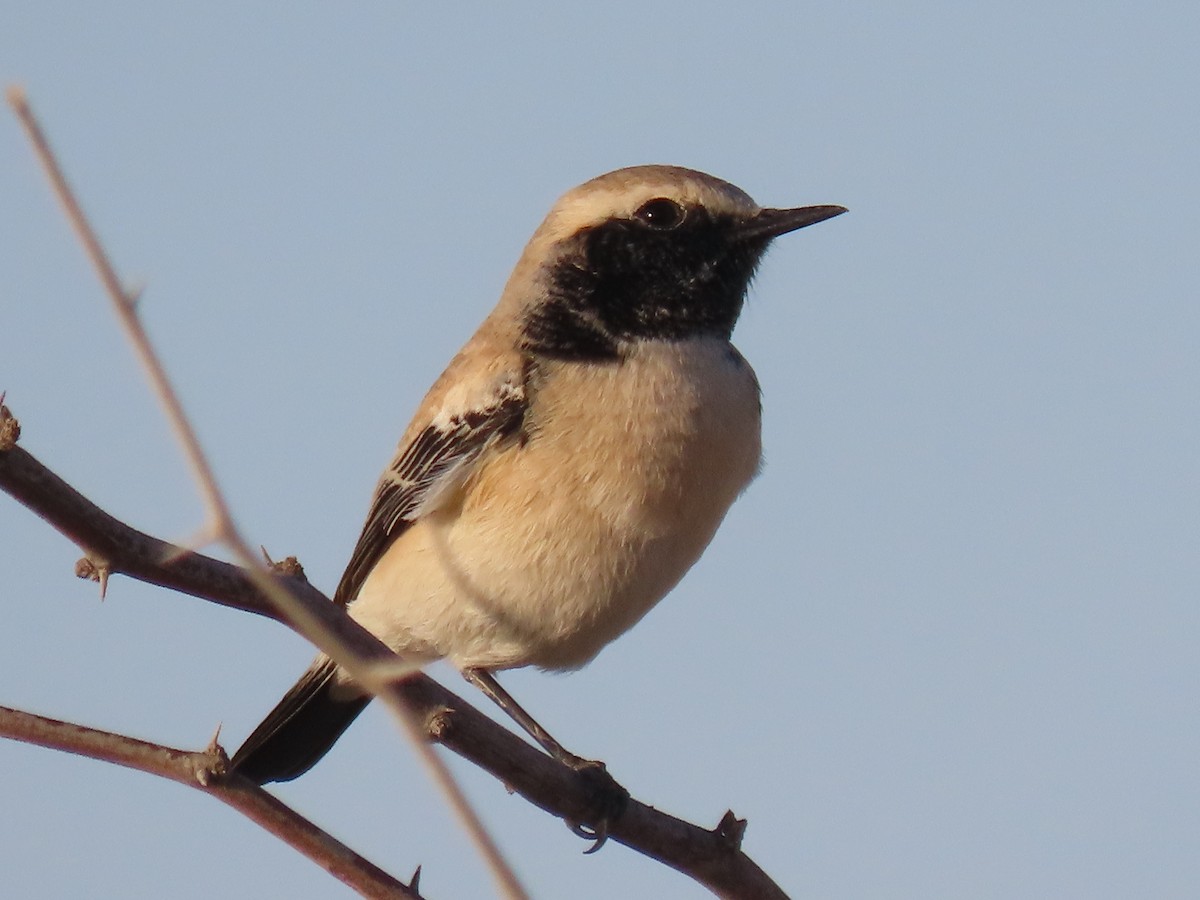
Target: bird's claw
[
  {"x": 608, "y": 801},
  {"x": 597, "y": 834}
]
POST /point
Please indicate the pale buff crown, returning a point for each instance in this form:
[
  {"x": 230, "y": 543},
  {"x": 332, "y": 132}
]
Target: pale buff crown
[{"x": 619, "y": 194}]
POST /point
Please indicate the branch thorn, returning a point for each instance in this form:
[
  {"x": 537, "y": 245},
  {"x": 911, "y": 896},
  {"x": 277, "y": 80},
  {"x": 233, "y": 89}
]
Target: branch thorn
[
  {"x": 730, "y": 830},
  {"x": 288, "y": 567},
  {"x": 132, "y": 296},
  {"x": 93, "y": 570},
  {"x": 10, "y": 428}
]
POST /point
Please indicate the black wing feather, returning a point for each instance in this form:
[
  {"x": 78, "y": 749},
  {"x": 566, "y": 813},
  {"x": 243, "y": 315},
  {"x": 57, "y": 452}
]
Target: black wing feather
[
  {"x": 300, "y": 729},
  {"x": 428, "y": 458}
]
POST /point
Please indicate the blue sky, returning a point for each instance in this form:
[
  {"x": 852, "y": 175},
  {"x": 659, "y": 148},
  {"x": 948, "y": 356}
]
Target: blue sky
[{"x": 945, "y": 646}]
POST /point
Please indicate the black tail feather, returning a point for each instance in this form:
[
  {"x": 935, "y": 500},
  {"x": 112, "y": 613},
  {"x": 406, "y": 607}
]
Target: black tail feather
[{"x": 300, "y": 729}]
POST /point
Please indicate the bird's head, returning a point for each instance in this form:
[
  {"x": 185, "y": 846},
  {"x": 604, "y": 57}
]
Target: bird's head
[{"x": 648, "y": 252}]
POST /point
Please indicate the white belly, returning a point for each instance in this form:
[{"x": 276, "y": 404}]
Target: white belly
[{"x": 556, "y": 546}]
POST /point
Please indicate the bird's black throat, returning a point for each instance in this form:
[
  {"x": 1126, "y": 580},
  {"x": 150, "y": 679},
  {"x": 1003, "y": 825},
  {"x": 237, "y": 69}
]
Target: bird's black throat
[{"x": 621, "y": 281}]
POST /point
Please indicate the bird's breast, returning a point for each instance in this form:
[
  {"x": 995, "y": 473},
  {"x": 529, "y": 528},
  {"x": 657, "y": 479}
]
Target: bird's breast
[{"x": 567, "y": 538}]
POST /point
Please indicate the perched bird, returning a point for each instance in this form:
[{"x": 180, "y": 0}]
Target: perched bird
[{"x": 571, "y": 463}]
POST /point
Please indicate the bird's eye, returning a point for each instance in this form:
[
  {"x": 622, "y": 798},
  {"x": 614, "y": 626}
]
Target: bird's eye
[{"x": 661, "y": 214}]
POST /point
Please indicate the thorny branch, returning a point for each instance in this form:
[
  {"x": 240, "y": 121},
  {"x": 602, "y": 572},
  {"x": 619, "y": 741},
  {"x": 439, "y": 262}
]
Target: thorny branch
[
  {"x": 205, "y": 770},
  {"x": 712, "y": 857}
]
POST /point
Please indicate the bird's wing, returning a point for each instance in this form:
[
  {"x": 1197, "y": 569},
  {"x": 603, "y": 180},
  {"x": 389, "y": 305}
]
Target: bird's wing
[{"x": 432, "y": 462}]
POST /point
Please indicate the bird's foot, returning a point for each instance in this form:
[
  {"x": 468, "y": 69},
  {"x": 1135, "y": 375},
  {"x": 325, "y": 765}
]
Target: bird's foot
[{"x": 607, "y": 800}]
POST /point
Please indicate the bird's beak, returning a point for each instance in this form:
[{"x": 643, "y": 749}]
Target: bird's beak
[{"x": 771, "y": 223}]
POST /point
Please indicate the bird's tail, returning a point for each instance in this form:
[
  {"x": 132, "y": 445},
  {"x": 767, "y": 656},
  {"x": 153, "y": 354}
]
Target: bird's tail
[{"x": 300, "y": 729}]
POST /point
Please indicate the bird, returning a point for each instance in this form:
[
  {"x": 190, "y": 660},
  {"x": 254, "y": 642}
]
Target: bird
[{"x": 571, "y": 463}]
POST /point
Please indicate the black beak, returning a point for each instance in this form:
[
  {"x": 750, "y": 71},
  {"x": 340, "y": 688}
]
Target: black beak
[{"x": 771, "y": 223}]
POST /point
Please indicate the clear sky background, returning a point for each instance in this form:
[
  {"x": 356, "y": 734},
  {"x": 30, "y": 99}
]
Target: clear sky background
[{"x": 945, "y": 646}]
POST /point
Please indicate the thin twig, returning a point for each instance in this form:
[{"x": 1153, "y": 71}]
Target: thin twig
[
  {"x": 221, "y": 525},
  {"x": 125, "y": 306},
  {"x": 205, "y": 771}
]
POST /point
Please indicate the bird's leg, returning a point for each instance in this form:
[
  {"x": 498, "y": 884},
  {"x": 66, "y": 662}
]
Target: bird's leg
[
  {"x": 486, "y": 682},
  {"x": 610, "y": 797}
]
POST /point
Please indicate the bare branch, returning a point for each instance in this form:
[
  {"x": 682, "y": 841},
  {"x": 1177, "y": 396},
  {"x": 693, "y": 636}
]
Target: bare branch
[
  {"x": 125, "y": 305},
  {"x": 205, "y": 771}
]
